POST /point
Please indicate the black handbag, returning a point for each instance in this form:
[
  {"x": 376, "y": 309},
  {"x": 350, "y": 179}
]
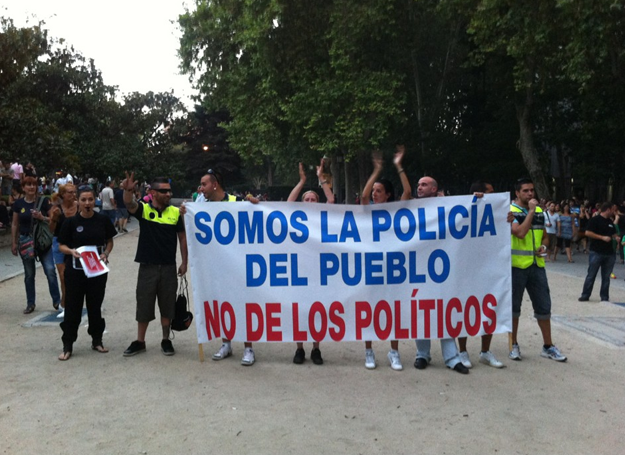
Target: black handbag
[{"x": 183, "y": 317}]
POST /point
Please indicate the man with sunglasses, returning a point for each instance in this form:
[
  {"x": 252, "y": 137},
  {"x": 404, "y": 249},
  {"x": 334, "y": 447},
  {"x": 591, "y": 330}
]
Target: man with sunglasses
[
  {"x": 161, "y": 227},
  {"x": 211, "y": 190}
]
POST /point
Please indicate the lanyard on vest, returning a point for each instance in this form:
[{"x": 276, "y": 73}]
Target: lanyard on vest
[{"x": 524, "y": 252}]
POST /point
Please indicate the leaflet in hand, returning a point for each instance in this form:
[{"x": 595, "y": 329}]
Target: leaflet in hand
[{"x": 90, "y": 261}]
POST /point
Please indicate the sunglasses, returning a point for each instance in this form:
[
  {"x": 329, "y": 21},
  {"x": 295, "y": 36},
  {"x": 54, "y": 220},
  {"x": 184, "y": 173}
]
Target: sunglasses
[
  {"x": 163, "y": 190},
  {"x": 217, "y": 176}
]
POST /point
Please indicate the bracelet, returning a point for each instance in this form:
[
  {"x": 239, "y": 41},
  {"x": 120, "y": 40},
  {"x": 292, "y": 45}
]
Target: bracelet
[
  {"x": 321, "y": 182},
  {"x": 399, "y": 171}
]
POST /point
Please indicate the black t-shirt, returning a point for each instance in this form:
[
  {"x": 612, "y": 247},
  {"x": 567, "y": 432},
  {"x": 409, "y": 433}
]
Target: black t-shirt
[
  {"x": 601, "y": 226},
  {"x": 77, "y": 231},
  {"x": 158, "y": 238},
  {"x": 119, "y": 199},
  {"x": 23, "y": 208}
]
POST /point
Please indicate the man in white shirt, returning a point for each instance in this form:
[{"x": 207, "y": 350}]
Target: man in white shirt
[
  {"x": 551, "y": 226},
  {"x": 109, "y": 207}
]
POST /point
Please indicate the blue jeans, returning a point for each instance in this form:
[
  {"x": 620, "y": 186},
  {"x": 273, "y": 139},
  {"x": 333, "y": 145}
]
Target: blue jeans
[
  {"x": 47, "y": 263},
  {"x": 606, "y": 262},
  {"x": 448, "y": 348}
]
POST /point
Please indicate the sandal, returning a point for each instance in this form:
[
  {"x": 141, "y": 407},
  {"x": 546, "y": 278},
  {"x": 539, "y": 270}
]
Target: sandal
[
  {"x": 98, "y": 347},
  {"x": 65, "y": 355}
]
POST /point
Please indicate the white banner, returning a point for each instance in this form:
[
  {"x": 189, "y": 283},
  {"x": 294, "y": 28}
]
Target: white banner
[{"x": 293, "y": 271}]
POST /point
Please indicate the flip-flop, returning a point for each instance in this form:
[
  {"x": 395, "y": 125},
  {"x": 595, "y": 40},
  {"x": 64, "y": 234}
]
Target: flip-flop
[
  {"x": 101, "y": 349},
  {"x": 65, "y": 355}
]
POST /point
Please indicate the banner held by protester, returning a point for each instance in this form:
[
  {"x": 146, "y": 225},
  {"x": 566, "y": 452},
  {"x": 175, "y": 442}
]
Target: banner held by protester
[{"x": 282, "y": 272}]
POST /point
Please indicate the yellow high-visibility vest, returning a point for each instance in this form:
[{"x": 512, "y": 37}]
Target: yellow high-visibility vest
[{"x": 524, "y": 250}]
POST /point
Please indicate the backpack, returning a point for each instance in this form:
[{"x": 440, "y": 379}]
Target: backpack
[
  {"x": 183, "y": 317},
  {"x": 41, "y": 234}
]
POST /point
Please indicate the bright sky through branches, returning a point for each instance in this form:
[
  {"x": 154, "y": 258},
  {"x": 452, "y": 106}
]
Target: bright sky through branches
[{"x": 133, "y": 42}]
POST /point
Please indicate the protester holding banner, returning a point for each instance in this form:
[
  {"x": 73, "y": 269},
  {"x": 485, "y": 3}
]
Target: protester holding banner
[
  {"x": 379, "y": 191},
  {"x": 428, "y": 187},
  {"x": 529, "y": 248},
  {"x": 161, "y": 227},
  {"x": 212, "y": 190},
  {"x": 479, "y": 189},
  {"x": 87, "y": 228},
  {"x": 310, "y": 196}
]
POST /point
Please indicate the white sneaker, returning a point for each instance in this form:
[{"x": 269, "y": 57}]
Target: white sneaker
[
  {"x": 515, "y": 354},
  {"x": 61, "y": 314},
  {"x": 224, "y": 351},
  {"x": 393, "y": 357},
  {"x": 488, "y": 358},
  {"x": 553, "y": 353},
  {"x": 248, "y": 357},
  {"x": 369, "y": 359},
  {"x": 464, "y": 358}
]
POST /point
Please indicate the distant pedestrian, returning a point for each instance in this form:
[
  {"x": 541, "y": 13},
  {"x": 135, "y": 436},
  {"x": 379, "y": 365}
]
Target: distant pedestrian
[
  {"x": 24, "y": 211},
  {"x": 601, "y": 231}
]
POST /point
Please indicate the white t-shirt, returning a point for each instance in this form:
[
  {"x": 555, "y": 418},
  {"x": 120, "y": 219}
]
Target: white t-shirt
[
  {"x": 107, "y": 197},
  {"x": 553, "y": 220}
]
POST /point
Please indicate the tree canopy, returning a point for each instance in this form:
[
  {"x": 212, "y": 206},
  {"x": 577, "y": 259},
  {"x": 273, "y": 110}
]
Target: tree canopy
[{"x": 492, "y": 89}]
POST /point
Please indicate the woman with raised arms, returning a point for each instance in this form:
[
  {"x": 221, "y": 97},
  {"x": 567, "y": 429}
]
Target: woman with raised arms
[
  {"x": 310, "y": 196},
  {"x": 379, "y": 191}
]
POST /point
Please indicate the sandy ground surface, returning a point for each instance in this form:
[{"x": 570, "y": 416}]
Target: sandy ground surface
[{"x": 152, "y": 404}]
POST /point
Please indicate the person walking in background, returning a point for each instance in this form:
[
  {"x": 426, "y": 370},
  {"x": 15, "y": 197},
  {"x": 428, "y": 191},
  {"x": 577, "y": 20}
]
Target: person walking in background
[
  {"x": 122, "y": 211},
  {"x": 108, "y": 201},
  {"x": 566, "y": 223},
  {"x": 310, "y": 196},
  {"x": 552, "y": 220},
  {"x": 24, "y": 211},
  {"x": 64, "y": 206},
  {"x": 87, "y": 228},
  {"x": 601, "y": 232}
]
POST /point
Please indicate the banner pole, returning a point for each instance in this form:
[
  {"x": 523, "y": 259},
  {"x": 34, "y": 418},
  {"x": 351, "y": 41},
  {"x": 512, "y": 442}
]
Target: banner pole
[{"x": 200, "y": 349}]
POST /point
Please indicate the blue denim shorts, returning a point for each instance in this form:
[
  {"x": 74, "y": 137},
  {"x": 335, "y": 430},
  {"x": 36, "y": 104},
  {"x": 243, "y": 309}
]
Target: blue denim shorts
[
  {"x": 59, "y": 257},
  {"x": 534, "y": 279}
]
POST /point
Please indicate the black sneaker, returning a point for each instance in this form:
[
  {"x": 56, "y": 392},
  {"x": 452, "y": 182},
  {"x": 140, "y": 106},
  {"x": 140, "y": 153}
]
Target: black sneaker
[
  {"x": 460, "y": 368},
  {"x": 167, "y": 348},
  {"x": 135, "y": 348},
  {"x": 583, "y": 299},
  {"x": 300, "y": 355},
  {"x": 420, "y": 363},
  {"x": 315, "y": 356}
]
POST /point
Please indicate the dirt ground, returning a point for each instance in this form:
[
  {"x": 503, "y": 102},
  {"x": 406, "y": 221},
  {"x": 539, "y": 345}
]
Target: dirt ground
[{"x": 151, "y": 404}]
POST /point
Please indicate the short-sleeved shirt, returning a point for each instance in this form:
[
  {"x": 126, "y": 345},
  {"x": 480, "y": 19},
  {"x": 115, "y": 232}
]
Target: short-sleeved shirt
[
  {"x": 107, "y": 197},
  {"x": 158, "y": 238},
  {"x": 23, "y": 208},
  {"x": 551, "y": 218},
  {"x": 566, "y": 226},
  {"x": 78, "y": 231},
  {"x": 601, "y": 226},
  {"x": 119, "y": 199}
]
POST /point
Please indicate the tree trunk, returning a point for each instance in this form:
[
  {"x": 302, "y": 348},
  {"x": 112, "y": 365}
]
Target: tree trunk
[{"x": 527, "y": 148}]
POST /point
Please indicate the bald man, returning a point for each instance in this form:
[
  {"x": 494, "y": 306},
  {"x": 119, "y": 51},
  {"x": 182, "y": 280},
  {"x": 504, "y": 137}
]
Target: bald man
[{"x": 428, "y": 187}]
